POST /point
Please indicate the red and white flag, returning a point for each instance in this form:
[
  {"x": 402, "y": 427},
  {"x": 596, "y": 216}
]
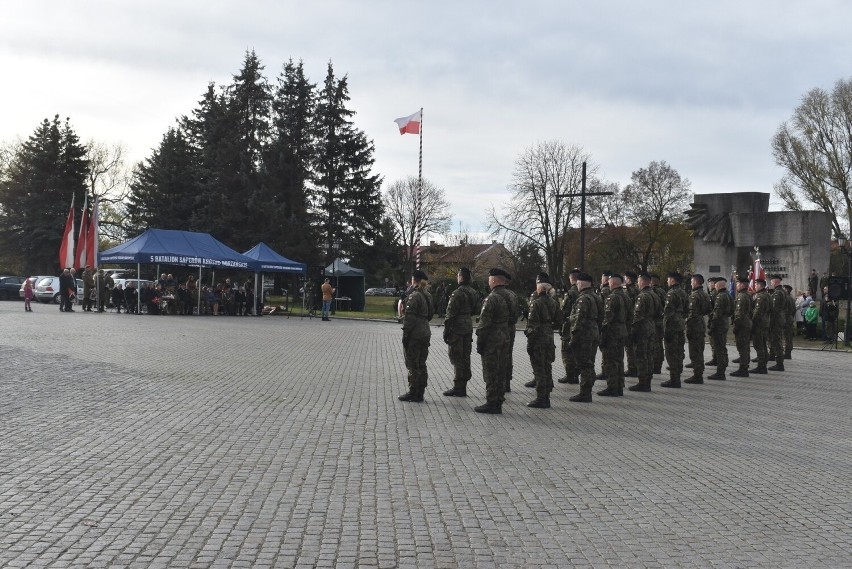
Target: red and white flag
[
  {"x": 80, "y": 259},
  {"x": 409, "y": 124},
  {"x": 66, "y": 250},
  {"x": 757, "y": 272},
  {"x": 92, "y": 237}
]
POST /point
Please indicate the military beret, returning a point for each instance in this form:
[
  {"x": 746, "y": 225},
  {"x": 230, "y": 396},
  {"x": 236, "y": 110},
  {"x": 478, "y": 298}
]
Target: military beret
[
  {"x": 712, "y": 279},
  {"x": 644, "y": 275},
  {"x": 498, "y": 272},
  {"x": 542, "y": 278},
  {"x": 616, "y": 276},
  {"x": 743, "y": 280},
  {"x": 698, "y": 276},
  {"x": 606, "y": 274},
  {"x": 788, "y": 288},
  {"x": 630, "y": 275},
  {"x": 720, "y": 279},
  {"x": 584, "y": 277},
  {"x": 419, "y": 275},
  {"x": 676, "y": 276},
  {"x": 654, "y": 276},
  {"x": 760, "y": 281},
  {"x": 575, "y": 271}
]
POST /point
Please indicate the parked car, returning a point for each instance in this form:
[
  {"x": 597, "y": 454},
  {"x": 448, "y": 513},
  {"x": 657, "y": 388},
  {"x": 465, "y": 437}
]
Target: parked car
[
  {"x": 136, "y": 282},
  {"x": 34, "y": 281},
  {"x": 9, "y": 286},
  {"x": 375, "y": 292},
  {"x": 47, "y": 290}
]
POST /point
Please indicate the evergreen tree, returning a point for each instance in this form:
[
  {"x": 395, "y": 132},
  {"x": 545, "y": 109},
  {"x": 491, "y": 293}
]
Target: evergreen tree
[
  {"x": 288, "y": 166},
  {"x": 164, "y": 186},
  {"x": 347, "y": 197},
  {"x": 382, "y": 257},
  {"x": 48, "y": 169}
]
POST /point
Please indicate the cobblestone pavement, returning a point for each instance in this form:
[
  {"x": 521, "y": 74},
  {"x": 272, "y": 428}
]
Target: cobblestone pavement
[{"x": 271, "y": 442}]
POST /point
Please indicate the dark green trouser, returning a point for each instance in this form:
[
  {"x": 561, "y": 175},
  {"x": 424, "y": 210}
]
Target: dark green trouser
[
  {"x": 788, "y": 336},
  {"x": 718, "y": 339},
  {"x": 612, "y": 362},
  {"x": 541, "y": 360},
  {"x": 508, "y": 361},
  {"x": 743, "y": 338},
  {"x": 659, "y": 351},
  {"x": 776, "y": 342},
  {"x": 585, "y": 351},
  {"x": 642, "y": 347},
  {"x": 416, "y": 353},
  {"x": 568, "y": 359},
  {"x": 758, "y": 338},
  {"x": 695, "y": 337},
  {"x": 493, "y": 362},
  {"x": 459, "y": 351},
  {"x": 675, "y": 352}
]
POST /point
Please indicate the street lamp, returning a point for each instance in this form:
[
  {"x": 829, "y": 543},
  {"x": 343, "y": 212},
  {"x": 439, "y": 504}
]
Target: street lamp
[
  {"x": 841, "y": 242},
  {"x": 336, "y": 245}
]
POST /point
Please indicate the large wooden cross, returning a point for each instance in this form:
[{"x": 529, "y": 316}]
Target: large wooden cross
[{"x": 582, "y": 195}]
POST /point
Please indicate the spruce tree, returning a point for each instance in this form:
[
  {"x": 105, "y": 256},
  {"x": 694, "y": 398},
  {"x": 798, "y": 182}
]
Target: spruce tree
[
  {"x": 49, "y": 168},
  {"x": 346, "y": 195}
]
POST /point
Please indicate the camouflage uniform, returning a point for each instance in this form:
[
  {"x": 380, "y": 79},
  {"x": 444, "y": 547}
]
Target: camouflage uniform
[
  {"x": 106, "y": 284},
  {"x": 723, "y": 308},
  {"x": 674, "y": 323},
  {"x": 514, "y": 313},
  {"x": 742, "y": 330},
  {"x": 416, "y": 335},
  {"x": 568, "y": 359},
  {"x": 458, "y": 332},
  {"x": 789, "y": 325},
  {"x": 699, "y": 306},
  {"x": 659, "y": 352},
  {"x": 630, "y": 348},
  {"x": 760, "y": 327},
  {"x": 642, "y": 333},
  {"x": 613, "y": 338},
  {"x": 545, "y": 314},
  {"x": 585, "y": 334},
  {"x": 712, "y": 293},
  {"x": 777, "y": 323},
  {"x": 492, "y": 343}
]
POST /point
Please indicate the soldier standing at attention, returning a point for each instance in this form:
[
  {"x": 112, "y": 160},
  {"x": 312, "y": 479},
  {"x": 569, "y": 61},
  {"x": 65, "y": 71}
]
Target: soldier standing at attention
[
  {"x": 572, "y": 375},
  {"x": 613, "y": 337},
  {"x": 545, "y": 314},
  {"x": 416, "y": 335},
  {"x": 458, "y": 332},
  {"x": 514, "y": 315},
  {"x": 711, "y": 290},
  {"x": 659, "y": 352},
  {"x": 723, "y": 309},
  {"x": 630, "y": 349},
  {"x": 699, "y": 306},
  {"x": 585, "y": 334},
  {"x": 777, "y": 322},
  {"x": 492, "y": 342},
  {"x": 760, "y": 325},
  {"x": 742, "y": 326},
  {"x": 642, "y": 332},
  {"x": 674, "y": 323},
  {"x": 789, "y": 323}
]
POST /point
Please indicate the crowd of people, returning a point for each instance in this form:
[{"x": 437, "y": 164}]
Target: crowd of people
[{"x": 635, "y": 320}]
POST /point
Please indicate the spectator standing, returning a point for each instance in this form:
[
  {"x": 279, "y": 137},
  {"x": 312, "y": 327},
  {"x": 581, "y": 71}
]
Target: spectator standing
[
  {"x": 327, "y": 296},
  {"x": 811, "y": 318},
  {"x": 813, "y": 283},
  {"x": 28, "y": 295}
]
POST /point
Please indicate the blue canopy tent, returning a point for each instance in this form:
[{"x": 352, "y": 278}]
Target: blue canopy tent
[
  {"x": 268, "y": 260},
  {"x": 172, "y": 247}
]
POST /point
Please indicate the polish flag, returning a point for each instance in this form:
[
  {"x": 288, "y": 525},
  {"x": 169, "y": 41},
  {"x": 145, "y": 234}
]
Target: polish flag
[
  {"x": 757, "y": 272},
  {"x": 409, "y": 124},
  {"x": 66, "y": 250},
  {"x": 92, "y": 237},
  {"x": 80, "y": 259}
]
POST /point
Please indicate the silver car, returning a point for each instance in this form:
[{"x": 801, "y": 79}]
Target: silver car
[{"x": 47, "y": 290}]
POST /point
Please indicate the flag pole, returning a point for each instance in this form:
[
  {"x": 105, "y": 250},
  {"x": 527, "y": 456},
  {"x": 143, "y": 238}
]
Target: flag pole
[{"x": 418, "y": 205}]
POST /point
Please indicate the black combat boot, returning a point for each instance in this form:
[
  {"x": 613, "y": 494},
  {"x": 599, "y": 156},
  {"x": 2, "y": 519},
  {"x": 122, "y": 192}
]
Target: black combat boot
[
  {"x": 540, "y": 402},
  {"x": 711, "y": 363},
  {"x": 530, "y": 383},
  {"x": 585, "y": 395},
  {"x": 759, "y": 369},
  {"x": 611, "y": 392},
  {"x": 788, "y": 355},
  {"x": 412, "y": 396},
  {"x": 456, "y": 392},
  {"x": 735, "y": 361},
  {"x": 600, "y": 377},
  {"x": 719, "y": 376},
  {"x": 777, "y": 367},
  {"x": 690, "y": 365},
  {"x": 574, "y": 380},
  {"x": 489, "y": 409},
  {"x": 740, "y": 373},
  {"x": 673, "y": 382},
  {"x": 563, "y": 379},
  {"x": 695, "y": 379},
  {"x": 631, "y": 373},
  {"x": 644, "y": 386}
]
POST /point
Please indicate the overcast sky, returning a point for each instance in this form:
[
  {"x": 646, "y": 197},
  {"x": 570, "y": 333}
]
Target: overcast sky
[{"x": 701, "y": 85}]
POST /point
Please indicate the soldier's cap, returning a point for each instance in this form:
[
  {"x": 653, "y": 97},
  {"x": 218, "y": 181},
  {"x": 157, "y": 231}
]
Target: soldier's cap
[
  {"x": 775, "y": 277},
  {"x": 712, "y": 279},
  {"x": 419, "y": 275},
  {"x": 498, "y": 272},
  {"x": 788, "y": 288},
  {"x": 760, "y": 281},
  {"x": 698, "y": 276},
  {"x": 606, "y": 274},
  {"x": 645, "y": 276},
  {"x": 676, "y": 276},
  {"x": 720, "y": 279},
  {"x": 616, "y": 276},
  {"x": 575, "y": 271},
  {"x": 630, "y": 275},
  {"x": 586, "y": 277},
  {"x": 743, "y": 280},
  {"x": 542, "y": 278}
]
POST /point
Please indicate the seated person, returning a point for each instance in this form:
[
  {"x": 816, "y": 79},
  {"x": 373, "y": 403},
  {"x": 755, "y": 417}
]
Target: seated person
[
  {"x": 131, "y": 298},
  {"x": 118, "y": 298}
]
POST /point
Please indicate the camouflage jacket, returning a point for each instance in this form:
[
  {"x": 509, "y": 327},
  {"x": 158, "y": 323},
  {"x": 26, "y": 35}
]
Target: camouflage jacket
[{"x": 460, "y": 309}]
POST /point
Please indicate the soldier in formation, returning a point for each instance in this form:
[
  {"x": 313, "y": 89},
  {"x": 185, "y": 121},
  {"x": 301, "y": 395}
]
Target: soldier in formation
[
  {"x": 458, "y": 331},
  {"x": 760, "y": 316},
  {"x": 572, "y": 375},
  {"x": 789, "y": 322},
  {"x": 630, "y": 349},
  {"x": 618, "y": 314},
  {"x": 777, "y": 322},
  {"x": 643, "y": 332},
  {"x": 674, "y": 324},
  {"x": 699, "y": 306},
  {"x": 544, "y": 315},
  {"x": 492, "y": 341},
  {"x": 586, "y": 315},
  {"x": 743, "y": 307},
  {"x": 718, "y": 324},
  {"x": 416, "y": 335}
]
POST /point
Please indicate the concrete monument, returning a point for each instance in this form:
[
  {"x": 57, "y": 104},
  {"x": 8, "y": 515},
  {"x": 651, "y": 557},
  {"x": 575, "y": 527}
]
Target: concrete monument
[{"x": 728, "y": 227}]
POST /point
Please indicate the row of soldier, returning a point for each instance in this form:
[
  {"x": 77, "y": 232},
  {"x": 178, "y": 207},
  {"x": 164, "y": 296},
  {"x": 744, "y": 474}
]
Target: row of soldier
[{"x": 630, "y": 315}]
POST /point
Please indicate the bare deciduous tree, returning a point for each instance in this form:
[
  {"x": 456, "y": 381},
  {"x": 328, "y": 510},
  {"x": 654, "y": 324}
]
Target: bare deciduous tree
[
  {"x": 109, "y": 183},
  {"x": 536, "y": 213},
  {"x": 433, "y": 215},
  {"x": 815, "y": 148}
]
